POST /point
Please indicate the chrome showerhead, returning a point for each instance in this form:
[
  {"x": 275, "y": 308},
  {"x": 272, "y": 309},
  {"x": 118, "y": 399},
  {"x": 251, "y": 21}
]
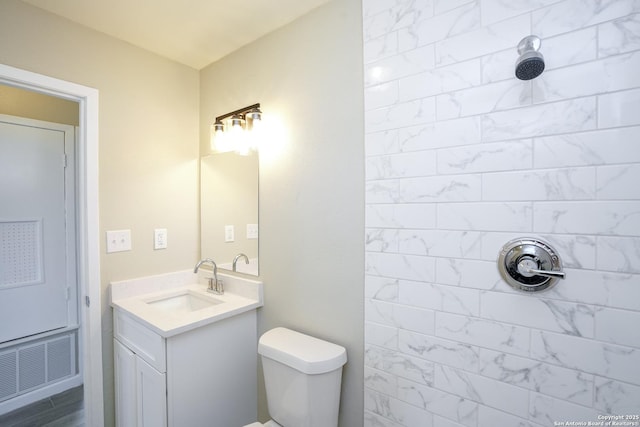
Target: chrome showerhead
[{"x": 530, "y": 63}]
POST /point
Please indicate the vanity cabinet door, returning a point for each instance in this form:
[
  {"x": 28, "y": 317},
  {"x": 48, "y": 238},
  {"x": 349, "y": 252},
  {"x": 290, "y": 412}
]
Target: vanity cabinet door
[
  {"x": 125, "y": 385},
  {"x": 151, "y": 390}
]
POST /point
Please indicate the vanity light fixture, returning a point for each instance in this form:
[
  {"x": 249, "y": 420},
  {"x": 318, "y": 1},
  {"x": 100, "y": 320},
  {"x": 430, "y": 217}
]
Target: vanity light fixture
[{"x": 235, "y": 131}]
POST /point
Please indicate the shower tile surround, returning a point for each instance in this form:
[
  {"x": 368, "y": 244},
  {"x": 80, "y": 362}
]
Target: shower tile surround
[{"x": 462, "y": 157}]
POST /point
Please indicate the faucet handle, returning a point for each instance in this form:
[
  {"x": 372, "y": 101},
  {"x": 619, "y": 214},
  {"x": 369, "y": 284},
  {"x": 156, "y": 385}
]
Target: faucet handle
[{"x": 220, "y": 287}]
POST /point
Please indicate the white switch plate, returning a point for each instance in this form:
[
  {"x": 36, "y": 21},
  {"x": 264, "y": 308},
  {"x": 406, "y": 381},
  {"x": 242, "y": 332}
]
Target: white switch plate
[
  {"x": 160, "y": 238},
  {"x": 252, "y": 231},
  {"x": 118, "y": 241},
  {"x": 229, "y": 233}
]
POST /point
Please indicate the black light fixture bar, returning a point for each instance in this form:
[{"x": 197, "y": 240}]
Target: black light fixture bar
[{"x": 241, "y": 111}]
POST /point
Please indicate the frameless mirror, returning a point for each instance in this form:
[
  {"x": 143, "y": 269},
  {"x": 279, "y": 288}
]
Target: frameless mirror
[{"x": 229, "y": 210}]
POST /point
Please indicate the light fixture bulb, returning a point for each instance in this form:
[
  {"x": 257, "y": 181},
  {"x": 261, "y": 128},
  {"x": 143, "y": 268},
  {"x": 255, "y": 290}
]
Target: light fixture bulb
[{"x": 217, "y": 136}]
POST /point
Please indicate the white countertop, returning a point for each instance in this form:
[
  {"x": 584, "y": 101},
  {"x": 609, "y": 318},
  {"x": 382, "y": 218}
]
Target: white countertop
[{"x": 133, "y": 297}]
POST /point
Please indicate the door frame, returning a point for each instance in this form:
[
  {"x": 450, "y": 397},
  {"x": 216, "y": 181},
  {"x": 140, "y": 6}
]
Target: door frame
[{"x": 87, "y": 225}]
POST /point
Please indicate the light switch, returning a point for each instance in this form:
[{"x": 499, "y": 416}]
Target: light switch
[
  {"x": 252, "y": 231},
  {"x": 229, "y": 233},
  {"x": 160, "y": 238},
  {"x": 118, "y": 241}
]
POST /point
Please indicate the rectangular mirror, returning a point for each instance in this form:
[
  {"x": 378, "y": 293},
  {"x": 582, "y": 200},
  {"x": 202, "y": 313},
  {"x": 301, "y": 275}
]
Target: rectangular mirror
[{"x": 229, "y": 210}]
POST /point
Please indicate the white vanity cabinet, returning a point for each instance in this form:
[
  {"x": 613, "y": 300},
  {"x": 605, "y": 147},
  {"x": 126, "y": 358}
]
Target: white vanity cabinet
[{"x": 206, "y": 376}]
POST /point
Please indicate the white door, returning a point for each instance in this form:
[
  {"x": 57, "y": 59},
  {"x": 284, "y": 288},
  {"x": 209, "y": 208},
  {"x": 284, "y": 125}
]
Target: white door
[{"x": 37, "y": 235}]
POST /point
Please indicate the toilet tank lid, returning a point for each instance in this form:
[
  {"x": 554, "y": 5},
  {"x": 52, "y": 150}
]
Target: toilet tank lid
[{"x": 302, "y": 352}]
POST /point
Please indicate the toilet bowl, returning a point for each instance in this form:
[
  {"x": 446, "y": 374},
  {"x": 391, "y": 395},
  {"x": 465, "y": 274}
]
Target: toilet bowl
[{"x": 302, "y": 376}]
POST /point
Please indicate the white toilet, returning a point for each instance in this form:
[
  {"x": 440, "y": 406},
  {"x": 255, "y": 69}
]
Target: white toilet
[{"x": 302, "y": 375}]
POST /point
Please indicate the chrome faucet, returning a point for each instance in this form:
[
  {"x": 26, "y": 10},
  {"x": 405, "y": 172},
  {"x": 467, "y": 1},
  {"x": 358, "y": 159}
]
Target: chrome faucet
[
  {"x": 235, "y": 260},
  {"x": 215, "y": 285}
]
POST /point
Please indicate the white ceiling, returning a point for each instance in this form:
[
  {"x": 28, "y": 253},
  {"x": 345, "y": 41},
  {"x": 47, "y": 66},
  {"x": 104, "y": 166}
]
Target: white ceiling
[{"x": 192, "y": 32}]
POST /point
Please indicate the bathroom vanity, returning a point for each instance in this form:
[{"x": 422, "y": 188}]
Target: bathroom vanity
[{"x": 184, "y": 357}]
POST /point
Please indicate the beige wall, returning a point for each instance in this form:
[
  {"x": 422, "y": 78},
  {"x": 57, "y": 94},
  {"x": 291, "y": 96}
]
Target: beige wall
[
  {"x": 308, "y": 78},
  {"x": 148, "y": 141}
]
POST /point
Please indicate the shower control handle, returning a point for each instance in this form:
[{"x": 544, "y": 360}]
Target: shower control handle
[{"x": 525, "y": 267}]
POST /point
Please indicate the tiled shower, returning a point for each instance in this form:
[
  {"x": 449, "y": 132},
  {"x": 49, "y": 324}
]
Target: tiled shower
[{"x": 462, "y": 157}]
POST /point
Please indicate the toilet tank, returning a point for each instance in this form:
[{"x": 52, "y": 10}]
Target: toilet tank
[{"x": 302, "y": 375}]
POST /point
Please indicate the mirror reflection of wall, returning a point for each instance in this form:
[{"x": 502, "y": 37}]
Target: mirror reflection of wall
[{"x": 229, "y": 197}]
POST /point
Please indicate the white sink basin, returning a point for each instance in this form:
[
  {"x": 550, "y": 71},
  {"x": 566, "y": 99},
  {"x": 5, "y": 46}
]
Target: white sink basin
[{"x": 183, "y": 303}]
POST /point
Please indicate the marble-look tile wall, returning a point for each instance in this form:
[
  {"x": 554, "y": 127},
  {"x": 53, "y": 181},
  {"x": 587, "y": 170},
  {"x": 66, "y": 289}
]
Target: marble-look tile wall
[{"x": 461, "y": 157}]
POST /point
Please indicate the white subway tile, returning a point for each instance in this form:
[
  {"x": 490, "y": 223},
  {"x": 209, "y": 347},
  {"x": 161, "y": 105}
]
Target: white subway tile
[
  {"x": 533, "y": 312},
  {"x": 540, "y": 120},
  {"x": 401, "y": 165},
  {"x": 483, "y": 41},
  {"x": 401, "y": 115},
  {"x": 619, "y": 182},
  {"x": 448, "y": 133},
  {"x": 619, "y": 109},
  {"x": 398, "y": 66},
  {"x": 442, "y": 79},
  {"x": 380, "y": 381},
  {"x": 381, "y": 191},
  {"x": 594, "y": 357},
  {"x": 483, "y": 333},
  {"x": 439, "y": 402},
  {"x": 460, "y": 300},
  {"x": 382, "y": 95},
  {"x": 439, "y": 350},
  {"x": 621, "y": 254},
  {"x": 439, "y": 421},
  {"x": 442, "y": 6},
  {"x": 396, "y": 410},
  {"x": 380, "y": 143},
  {"x": 375, "y": 420},
  {"x": 619, "y": 36},
  {"x": 486, "y": 391},
  {"x": 615, "y": 397},
  {"x": 381, "y": 335},
  {"x": 614, "y": 218},
  {"x": 484, "y": 99},
  {"x": 588, "y": 148},
  {"x": 571, "y": 15},
  {"x": 587, "y": 78},
  {"x": 486, "y": 157},
  {"x": 401, "y": 266},
  {"x": 381, "y": 47},
  {"x": 440, "y": 243},
  {"x": 599, "y": 288},
  {"x": 450, "y": 188},
  {"x": 566, "y": 384},
  {"x": 469, "y": 273},
  {"x": 450, "y": 23},
  {"x": 398, "y": 364},
  {"x": 414, "y": 215},
  {"x": 547, "y": 411},
  {"x": 420, "y": 294},
  {"x": 492, "y": 417},
  {"x": 495, "y": 11},
  {"x": 515, "y": 216},
  {"x": 381, "y": 288},
  {"x": 618, "y": 326},
  {"x": 381, "y": 240},
  {"x": 439, "y": 297},
  {"x": 555, "y": 184}
]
